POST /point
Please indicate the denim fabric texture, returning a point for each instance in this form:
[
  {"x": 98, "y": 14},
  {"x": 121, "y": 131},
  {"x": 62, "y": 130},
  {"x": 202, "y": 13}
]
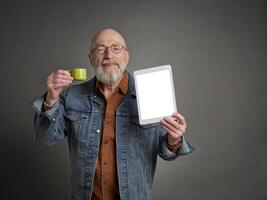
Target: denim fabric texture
[{"x": 78, "y": 116}]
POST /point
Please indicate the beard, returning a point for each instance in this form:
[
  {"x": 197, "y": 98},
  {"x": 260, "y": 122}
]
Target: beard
[{"x": 109, "y": 77}]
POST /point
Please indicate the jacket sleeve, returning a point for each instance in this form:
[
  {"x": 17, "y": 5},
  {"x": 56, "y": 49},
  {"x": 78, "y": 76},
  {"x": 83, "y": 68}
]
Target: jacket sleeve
[
  {"x": 49, "y": 126},
  {"x": 165, "y": 153}
]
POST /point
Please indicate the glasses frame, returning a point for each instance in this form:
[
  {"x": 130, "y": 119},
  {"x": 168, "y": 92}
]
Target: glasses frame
[{"x": 94, "y": 50}]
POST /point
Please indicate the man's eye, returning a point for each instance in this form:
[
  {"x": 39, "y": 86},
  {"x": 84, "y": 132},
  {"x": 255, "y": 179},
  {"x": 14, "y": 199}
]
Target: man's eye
[
  {"x": 116, "y": 48},
  {"x": 101, "y": 49}
]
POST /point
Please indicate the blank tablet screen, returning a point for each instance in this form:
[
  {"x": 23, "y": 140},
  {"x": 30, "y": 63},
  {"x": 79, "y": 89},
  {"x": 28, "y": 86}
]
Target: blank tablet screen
[{"x": 155, "y": 93}]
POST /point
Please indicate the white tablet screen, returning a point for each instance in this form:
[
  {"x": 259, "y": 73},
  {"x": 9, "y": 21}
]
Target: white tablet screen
[{"x": 155, "y": 93}]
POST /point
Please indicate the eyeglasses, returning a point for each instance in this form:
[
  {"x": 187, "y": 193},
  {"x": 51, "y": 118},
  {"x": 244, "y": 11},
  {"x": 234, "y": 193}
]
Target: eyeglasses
[{"x": 115, "y": 48}]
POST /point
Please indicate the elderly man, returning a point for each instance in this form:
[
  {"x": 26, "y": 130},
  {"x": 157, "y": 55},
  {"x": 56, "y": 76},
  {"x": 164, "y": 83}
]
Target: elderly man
[{"x": 112, "y": 155}]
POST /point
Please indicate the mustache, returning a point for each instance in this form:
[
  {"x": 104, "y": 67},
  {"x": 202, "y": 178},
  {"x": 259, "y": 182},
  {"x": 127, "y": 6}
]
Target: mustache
[{"x": 108, "y": 62}]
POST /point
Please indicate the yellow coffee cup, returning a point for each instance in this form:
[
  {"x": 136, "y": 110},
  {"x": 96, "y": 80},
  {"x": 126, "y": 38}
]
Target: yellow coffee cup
[{"x": 78, "y": 74}]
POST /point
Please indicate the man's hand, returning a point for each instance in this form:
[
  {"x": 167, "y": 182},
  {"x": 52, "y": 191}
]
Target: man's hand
[
  {"x": 56, "y": 81},
  {"x": 175, "y": 126}
]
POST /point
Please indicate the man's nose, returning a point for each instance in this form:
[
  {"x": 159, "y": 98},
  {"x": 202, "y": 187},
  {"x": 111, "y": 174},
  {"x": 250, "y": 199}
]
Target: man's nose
[{"x": 108, "y": 53}]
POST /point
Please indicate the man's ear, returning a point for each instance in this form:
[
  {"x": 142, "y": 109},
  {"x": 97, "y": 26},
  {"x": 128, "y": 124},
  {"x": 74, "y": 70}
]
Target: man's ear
[
  {"x": 90, "y": 57},
  {"x": 127, "y": 56}
]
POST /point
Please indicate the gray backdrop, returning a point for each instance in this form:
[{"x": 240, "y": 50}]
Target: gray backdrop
[{"x": 218, "y": 53}]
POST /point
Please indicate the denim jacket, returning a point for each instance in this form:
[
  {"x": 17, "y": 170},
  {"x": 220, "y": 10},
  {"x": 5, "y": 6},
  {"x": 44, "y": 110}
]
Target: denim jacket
[{"x": 78, "y": 116}]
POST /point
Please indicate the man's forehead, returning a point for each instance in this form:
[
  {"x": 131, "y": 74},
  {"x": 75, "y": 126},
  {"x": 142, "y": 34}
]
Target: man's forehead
[
  {"x": 108, "y": 37},
  {"x": 108, "y": 42}
]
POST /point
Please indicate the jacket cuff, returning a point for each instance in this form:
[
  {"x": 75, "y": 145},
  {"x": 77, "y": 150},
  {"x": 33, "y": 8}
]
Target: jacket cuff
[
  {"x": 184, "y": 149},
  {"x": 37, "y": 105}
]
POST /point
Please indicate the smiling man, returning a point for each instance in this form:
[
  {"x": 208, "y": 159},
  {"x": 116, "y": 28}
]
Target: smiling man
[{"x": 112, "y": 155}]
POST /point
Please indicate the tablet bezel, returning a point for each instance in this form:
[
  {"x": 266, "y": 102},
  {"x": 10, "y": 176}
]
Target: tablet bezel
[{"x": 151, "y": 70}]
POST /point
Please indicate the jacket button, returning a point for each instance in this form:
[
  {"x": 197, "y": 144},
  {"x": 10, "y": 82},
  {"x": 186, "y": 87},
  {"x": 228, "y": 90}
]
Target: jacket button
[{"x": 87, "y": 184}]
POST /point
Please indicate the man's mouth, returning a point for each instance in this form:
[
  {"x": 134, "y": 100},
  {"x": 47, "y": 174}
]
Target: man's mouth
[{"x": 107, "y": 63}]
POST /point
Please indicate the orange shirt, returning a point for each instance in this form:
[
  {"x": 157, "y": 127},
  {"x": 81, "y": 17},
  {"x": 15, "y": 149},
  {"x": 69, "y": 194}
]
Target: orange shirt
[{"x": 105, "y": 184}]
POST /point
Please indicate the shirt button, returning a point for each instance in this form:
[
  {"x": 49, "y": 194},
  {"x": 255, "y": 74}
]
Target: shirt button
[
  {"x": 105, "y": 141},
  {"x": 105, "y": 163},
  {"x": 98, "y": 131},
  {"x": 54, "y": 119}
]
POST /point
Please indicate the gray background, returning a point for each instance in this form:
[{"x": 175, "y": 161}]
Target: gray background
[{"x": 218, "y": 53}]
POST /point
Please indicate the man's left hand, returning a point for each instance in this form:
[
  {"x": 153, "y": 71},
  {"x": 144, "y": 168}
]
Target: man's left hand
[{"x": 175, "y": 127}]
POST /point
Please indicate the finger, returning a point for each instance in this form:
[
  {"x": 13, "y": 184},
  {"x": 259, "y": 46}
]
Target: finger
[
  {"x": 59, "y": 81},
  {"x": 49, "y": 82},
  {"x": 60, "y": 85},
  {"x": 174, "y": 129},
  {"x": 50, "y": 76},
  {"x": 59, "y": 75},
  {"x": 171, "y": 133},
  {"x": 53, "y": 83},
  {"x": 172, "y": 122},
  {"x": 63, "y": 76},
  {"x": 179, "y": 117},
  {"x": 170, "y": 126},
  {"x": 61, "y": 71}
]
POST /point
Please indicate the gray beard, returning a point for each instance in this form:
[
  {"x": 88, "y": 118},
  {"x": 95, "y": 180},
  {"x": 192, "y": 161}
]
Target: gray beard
[{"x": 109, "y": 78}]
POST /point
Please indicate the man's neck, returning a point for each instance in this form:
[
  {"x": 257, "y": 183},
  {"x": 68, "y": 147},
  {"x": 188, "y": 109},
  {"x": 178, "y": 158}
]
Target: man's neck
[{"x": 108, "y": 90}]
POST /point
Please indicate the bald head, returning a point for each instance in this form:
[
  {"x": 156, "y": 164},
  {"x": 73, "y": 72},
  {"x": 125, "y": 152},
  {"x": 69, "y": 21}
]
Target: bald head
[{"x": 105, "y": 36}]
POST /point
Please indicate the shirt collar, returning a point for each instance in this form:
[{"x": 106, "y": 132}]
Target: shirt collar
[{"x": 122, "y": 87}]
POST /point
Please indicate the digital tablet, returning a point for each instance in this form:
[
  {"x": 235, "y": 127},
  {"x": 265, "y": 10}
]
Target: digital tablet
[{"x": 154, "y": 93}]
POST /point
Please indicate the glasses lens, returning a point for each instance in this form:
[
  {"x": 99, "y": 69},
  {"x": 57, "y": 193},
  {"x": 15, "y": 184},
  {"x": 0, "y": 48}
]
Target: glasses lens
[
  {"x": 100, "y": 50},
  {"x": 116, "y": 48}
]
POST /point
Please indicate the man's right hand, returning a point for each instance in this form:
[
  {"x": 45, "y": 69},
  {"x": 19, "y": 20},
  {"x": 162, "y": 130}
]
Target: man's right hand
[{"x": 56, "y": 81}]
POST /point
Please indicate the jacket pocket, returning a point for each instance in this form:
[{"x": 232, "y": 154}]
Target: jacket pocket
[
  {"x": 73, "y": 115},
  {"x": 76, "y": 122}
]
